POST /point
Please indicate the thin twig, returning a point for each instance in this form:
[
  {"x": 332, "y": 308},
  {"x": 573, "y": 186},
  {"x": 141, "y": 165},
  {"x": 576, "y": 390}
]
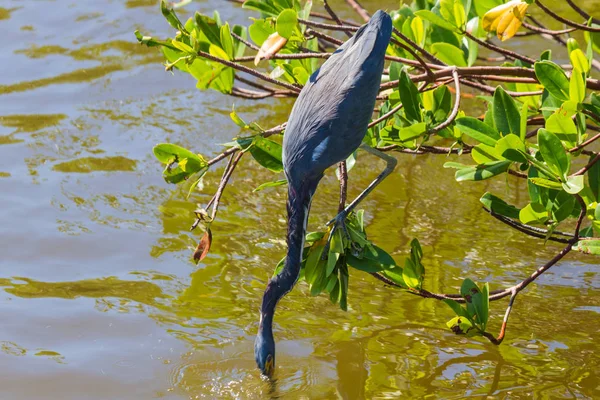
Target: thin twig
[
  {"x": 334, "y": 16},
  {"x": 343, "y": 186},
  {"x": 454, "y": 112},
  {"x": 235, "y": 158},
  {"x": 565, "y": 20},
  {"x": 547, "y": 31},
  {"x": 360, "y": 10},
  {"x": 506, "y": 52},
  {"x": 583, "y": 13},
  {"x": 588, "y": 166},
  {"x": 248, "y": 70}
]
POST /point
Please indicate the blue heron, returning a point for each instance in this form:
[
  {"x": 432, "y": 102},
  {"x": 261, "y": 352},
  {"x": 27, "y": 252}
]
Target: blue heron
[{"x": 327, "y": 124}]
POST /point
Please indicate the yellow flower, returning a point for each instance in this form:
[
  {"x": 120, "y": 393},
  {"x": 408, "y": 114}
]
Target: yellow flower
[{"x": 505, "y": 19}]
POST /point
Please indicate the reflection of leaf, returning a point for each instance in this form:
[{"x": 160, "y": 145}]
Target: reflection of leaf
[
  {"x": 203, "y": 246},
  {"x": 91, "y": 164},
  {"x": 139, "y": 291}
]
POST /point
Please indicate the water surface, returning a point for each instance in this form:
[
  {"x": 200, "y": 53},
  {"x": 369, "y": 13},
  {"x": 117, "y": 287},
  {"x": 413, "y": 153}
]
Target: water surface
[{"x": 101, "y": 299}]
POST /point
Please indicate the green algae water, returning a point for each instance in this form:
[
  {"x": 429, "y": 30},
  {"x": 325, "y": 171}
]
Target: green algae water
[{"x": 101, "y": 300}]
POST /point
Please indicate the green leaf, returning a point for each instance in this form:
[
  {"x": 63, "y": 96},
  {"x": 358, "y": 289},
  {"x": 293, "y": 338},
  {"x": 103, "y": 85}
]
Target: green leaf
[
  {"x": 459, "y": 310},
  {"x": 436, "y": 20},
  {"x": 499, "y": 206},
  {"x": 209, "y": 28},
  {"x": 579, "y": 60},
  {"x": 574, "y": 184},
  {"x": 442, "y": 103},
  {"x": 588, "y": 246},
  {"x": 460, "y": 325},
  {"x": 263, "y": 7},
  {"x": 563, "y": 126},
  {"x": 533, "y": 213},
  {"x": 411, "y": 275},
  {"x": 409, "y": 95},
  {"x": 267, "y": 153},
  {"x": 413, "y": 131},
  {"x": 265, "y": 185},
  {"x": 182, "y": 46},
  {"x": 547, "y": 183},
  {"x": 577, "y": 86},
  {"x": 167, "y": 153},
  {"x": 314, "y": 236},
  {"x": 372, "y": 263},
  {"x": 506, "y": 114},
  {"x": 449, "y": 54},
  {"x": 227, "y": 41},
  {"x": 477, "y": 305},
  {"x": 453, "y": 11},
  {"x": 286, "y": 23},
  {"x": 311, "y": 265},
  {"x": 594, "y": 178},
  {"x": 553, "y": 152},
  {"x": 151, "y": 42},
  {"x": 482, "y": 153},
  {"x": 562, "y": 206},
  {"x": 260, "y": 30},
  {"x": 553, "y": 78},
  {"x": 512, "y": 148},
  {"x": 523, "y": 123},
  {"x": 478, "y": 130},
  {"x": 237, "y": 119},
  {"x": 171, "y": 17},
  {"x": 482, "y": 171}
]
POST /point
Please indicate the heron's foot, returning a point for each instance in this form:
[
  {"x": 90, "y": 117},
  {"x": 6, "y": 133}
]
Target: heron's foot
[{"x": 339, "y": 222}]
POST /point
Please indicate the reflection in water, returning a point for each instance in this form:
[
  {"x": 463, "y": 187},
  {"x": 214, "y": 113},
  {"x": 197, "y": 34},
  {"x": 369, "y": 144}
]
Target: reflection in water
[
  {"x": 138, "y": 291},
  {"x": 90, "y": 164}
]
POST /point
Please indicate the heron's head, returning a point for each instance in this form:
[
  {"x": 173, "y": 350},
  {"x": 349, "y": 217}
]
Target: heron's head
[
  {"x": 383, "y": 22},
  {"x": 264, "y": 351}
]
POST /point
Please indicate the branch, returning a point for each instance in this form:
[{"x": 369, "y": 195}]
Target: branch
[
  {"x": 583, "y": 13},
  {"x": 588, "y": 166},
  {"x": 528, "y": 229},
  {"x": 454, "y": 112},
  {"x": 565, "y": 20},
  {"x": 343, "y": 186},
  {"x": 248, "y": 70},
  {"x": 214, "y": 201},
  {"x": 360, "y": 10},
  {"x": 547, "y": 31},
  {"x": 506, "y": 52},
  {"x": 334, "y": 16}
]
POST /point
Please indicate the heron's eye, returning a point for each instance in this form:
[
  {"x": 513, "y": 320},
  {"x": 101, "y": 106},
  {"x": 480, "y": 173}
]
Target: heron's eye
[{"x": 269, "y": 365}]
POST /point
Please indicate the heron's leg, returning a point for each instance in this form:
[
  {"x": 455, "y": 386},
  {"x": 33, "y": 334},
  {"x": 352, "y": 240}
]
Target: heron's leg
[{"x": 391, "y": 164}]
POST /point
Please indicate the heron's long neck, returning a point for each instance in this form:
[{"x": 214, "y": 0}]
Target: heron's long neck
[{"x": 298, "y": 206}]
